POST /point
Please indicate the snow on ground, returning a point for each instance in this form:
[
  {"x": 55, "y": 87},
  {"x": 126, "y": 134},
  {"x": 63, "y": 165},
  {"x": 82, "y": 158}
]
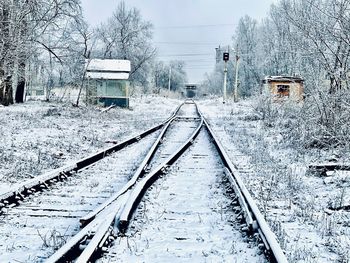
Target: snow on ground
[
  {"x": 295, "y": 202},
  {"x": 43, "y": 222},
  {"x": 40, "y": 136},
  {"x": 186, "y": 215}
]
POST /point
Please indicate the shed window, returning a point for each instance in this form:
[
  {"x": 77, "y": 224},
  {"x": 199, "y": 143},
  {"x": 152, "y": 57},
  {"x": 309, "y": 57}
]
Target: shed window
[{"x": 283, "y": 90}]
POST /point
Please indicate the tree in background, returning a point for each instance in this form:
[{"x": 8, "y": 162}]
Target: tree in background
[
  {"x": 325, "y": 26},
  {"x": 126, "y": 35},
  {"x": 174, "y": 70},
  {"x": 246, "y": 42},
  {"x": 27, "y": 29},
  {"x": 309, "y": 38}
]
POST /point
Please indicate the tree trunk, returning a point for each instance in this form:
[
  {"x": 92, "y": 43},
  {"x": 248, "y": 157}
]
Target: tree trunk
[
  {"x": 19, "y": 97},
  {"x": 6, "y": 97}
]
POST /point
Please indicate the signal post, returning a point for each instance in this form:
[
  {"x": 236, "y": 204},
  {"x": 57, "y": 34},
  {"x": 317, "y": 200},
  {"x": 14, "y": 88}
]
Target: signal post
[{"x": 226, "y": 57}]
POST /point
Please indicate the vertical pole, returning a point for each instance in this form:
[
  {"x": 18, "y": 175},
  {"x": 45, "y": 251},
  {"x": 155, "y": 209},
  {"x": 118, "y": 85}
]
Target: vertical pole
[
  {"x": 169, "y": 78},
  {"x": 225, "y": 82},
  {"x": 127, "y": 93},
  {"x": 235, "y": 95}
]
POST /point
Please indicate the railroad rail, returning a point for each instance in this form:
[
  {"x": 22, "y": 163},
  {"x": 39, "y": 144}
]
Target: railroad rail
[
  {"x": 20, "y": 191},
  {"x": 101, "y": 226}
]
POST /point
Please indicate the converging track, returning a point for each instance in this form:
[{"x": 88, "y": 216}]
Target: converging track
[
  {"x": 187, "y": 216},
  {"x": 47, "y": 219},
  {"x": 184, "y": 201}
]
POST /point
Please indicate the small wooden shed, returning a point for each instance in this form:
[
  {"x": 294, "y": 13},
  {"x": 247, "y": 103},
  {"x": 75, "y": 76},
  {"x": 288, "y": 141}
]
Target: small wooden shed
[
  {"x": 107, "y": 82},
  {"x": 284, "y": 88}
]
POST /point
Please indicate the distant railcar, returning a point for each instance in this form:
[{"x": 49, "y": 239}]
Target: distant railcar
[{"x": 191, "y": 90}]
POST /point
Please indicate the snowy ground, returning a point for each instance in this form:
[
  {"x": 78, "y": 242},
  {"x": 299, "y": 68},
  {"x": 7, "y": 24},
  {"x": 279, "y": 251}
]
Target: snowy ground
[
  {"x": 39, "y": 136},
  {"x": 295, "y": 202},
  {"x": 44, "y": 221},
  {"x": 187, "y": 217}
]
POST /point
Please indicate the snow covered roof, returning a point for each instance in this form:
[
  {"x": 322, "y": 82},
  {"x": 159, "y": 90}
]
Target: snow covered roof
[
  {"x": 108, "y": 69},
  {"x": 283, "y": 79}
]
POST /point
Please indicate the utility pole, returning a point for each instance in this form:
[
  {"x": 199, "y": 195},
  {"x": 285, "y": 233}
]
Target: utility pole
[
  {"x": 225, "y": 58},
  {"x": 169, "y": 78},
  {"x": 235, "y": 90}
]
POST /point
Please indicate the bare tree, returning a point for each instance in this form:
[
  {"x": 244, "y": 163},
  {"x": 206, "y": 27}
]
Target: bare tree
[
  {"x": 174, "y": 70},
  {"x": 127, "y": 36},
  {"x": 324, "y": 23},
  {"x": 27, "y": 27}
]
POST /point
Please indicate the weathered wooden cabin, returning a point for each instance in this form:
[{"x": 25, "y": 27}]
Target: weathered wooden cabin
[
  {"x": 191, "y": 90},
  {"x": 284, "y": 88},
  {"x": 107, "y": 82}
]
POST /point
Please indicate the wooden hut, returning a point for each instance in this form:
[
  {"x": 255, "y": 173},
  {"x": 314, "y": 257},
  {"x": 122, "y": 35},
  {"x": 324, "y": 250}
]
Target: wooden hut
[
  {"x": 107, "y": 82},
  {"x": 284, "y": 88}
]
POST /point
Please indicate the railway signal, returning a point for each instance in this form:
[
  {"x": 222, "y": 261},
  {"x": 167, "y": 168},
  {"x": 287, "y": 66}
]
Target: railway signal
[{"x": 226, "y": 57}]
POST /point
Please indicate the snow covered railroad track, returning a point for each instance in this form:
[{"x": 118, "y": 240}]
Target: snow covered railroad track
[
  {"x": 19, "y": 192},
  {"x": 195, "y": 191},
  {"x": 39, "y": 215},
  {"x": 188, "y": 214},
  {"x": 98, "y": 225},
  {"x": 32, "y": 230}
]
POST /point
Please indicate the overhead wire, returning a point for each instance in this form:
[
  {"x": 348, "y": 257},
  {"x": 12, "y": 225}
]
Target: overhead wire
[
  {"x": 194, "y": 26},
  {"x": 193, "y": 61}
]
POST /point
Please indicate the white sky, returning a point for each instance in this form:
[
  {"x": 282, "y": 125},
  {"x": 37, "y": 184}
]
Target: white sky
[{"x": 186, "y": 30}]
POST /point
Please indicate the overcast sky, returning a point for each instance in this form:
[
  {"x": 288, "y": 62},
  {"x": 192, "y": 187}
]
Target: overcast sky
[{"x": 186, "y": 30}]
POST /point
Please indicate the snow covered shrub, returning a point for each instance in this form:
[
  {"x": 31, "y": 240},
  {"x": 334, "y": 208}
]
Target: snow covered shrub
[
  {"x": 325, "y": 120},
  {"x": 266, "y": 109}
]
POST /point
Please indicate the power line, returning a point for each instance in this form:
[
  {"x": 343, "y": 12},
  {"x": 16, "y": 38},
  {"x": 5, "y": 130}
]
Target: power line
[
  {"x": 194, "y": 26},
  {"x": 187, "y": 43},
  {"x": 187, "y": 55}
]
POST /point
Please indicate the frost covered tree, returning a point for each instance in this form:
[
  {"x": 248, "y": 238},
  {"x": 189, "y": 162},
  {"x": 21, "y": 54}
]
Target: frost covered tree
[
  {"x": 126, "y": 35},
  {"x": 174, "y": 70},
  {"x": 304, "y": 37},
  {"x": 28, "y": 28},
  {"x": 325, "y": 25},
  {"x": 246, "y": 42}
]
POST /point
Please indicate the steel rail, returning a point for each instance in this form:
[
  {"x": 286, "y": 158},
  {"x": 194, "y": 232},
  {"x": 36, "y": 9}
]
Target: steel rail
[
  {"x": 95, "y": 230},
  {"x": 141, "y": 188},
  {"x": 138, "y": 173},
  {"x": 255, "y": 219},
  {"x": 120, "y": 212},
  {"x": 97, "y": 223},
  {"x": 118, "y": 207},
  {"x": 20, "y": 191},
  {"x": 109, "y": 204}
]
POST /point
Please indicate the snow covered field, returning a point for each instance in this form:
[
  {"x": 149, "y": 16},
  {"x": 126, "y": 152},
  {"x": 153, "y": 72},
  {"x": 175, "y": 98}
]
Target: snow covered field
[{"x": 40, "y": 136}]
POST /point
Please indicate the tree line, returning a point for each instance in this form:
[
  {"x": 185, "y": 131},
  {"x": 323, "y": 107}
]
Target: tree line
[
  {"x": 310, "y": 38},
  {"x": 46, "y": 43}
]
